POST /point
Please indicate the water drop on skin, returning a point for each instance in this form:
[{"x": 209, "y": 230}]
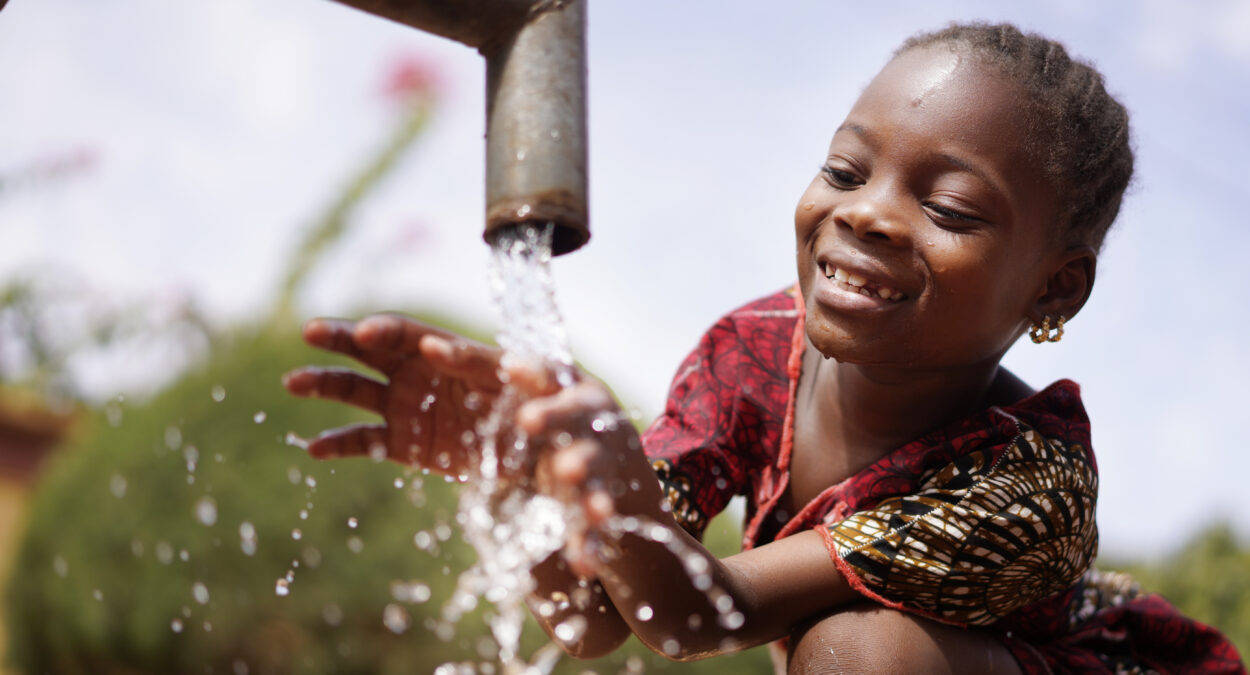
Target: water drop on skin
[{"x": 644, "y": 612}]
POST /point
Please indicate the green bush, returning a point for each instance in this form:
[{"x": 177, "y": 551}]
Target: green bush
[{"x": 134, "y": 560}]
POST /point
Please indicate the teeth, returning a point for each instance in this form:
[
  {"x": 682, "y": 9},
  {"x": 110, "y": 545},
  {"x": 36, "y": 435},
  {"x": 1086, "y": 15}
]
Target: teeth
[{"x": 849, "y": 281}]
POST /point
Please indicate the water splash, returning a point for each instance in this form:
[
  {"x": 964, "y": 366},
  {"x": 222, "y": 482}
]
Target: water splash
[{"x": 511, "y": 528}]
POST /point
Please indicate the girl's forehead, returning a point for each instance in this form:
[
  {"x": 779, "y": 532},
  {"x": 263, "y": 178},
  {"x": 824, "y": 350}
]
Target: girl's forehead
[{"x": 946, "y": 95}]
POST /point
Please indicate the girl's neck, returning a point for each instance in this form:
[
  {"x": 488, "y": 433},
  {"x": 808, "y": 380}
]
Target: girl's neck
[{"x": 879, "y": 408}]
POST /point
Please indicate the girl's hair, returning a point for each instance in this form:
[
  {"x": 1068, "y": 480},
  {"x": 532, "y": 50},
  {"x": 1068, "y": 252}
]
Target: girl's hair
[{"x": 1079, "y": 132}]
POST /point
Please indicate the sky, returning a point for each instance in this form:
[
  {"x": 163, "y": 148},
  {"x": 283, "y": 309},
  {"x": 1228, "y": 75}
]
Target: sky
[{"x": 204, "y": 138}]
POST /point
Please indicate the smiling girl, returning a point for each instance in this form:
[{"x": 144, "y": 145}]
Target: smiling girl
[{"x": 912, "y": 505}]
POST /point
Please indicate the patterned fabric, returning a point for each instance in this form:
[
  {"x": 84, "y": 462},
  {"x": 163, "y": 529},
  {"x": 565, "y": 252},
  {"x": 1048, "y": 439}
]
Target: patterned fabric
[
  {"x": 987, "y": 534},
  {"x": 988, "y": 521}
]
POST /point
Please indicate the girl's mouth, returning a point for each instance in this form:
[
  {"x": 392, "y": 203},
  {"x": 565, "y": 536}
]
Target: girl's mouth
[{"x": 853, "y": 283}]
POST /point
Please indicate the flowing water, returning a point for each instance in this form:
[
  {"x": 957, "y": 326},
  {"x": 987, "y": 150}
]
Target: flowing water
[{"x": 511, "y": 528}]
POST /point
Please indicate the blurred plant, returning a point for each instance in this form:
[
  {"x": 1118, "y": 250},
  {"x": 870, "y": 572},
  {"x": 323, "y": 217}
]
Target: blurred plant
[{"x": 1208, "y": 578}]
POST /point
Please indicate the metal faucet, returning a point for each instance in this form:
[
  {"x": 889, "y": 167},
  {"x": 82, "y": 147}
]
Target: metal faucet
[{"x": 535, "y": 54}]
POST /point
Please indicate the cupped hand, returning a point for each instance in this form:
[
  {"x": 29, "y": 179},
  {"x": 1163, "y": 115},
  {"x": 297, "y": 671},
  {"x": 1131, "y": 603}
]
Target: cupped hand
[
  {"x": 437, "y": 387},
  {"x": 588, "y": 454}
]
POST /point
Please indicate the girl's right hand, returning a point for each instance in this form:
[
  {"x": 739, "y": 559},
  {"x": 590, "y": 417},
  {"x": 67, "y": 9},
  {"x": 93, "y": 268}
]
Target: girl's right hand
[{"x": 438, "y": 386}]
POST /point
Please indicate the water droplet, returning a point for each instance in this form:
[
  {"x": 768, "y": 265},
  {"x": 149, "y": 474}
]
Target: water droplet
[
  {"x": 293, "y": 439},
  {"x": 282, "y": 588},
  {"x": 332, "y": 614},
  {"x": 355, "y": 544},
  {"x": 60, "y": 566},
  {"x": 164, "y": 552},
  {"x": 377, "y": 452},
  {"x": 183, "y": 555},
  {"x": 398, "y": 483},
  {"x": 117, "y": 485},
  {"x": 395, "y": 618},
  {"x": 293, "y": 474},
  {"x": 303, "y": 514},
  {"x": 206, "y": 511},
  {"x": 247, "y": 538},
  {"x": 259, "y": 417},
  {"x": 173, "y": 438},
  {"x": 694, "y": 622},
  {"x": 352, "y": 522},
  {"x": 427, "y": 402},
  {"x": 296, "y": 534},
  {"x": 672, "y": 647},
  {"x": 176, "y": 625},
  {"x": 219, "y": 393},
  {"x": 472, "y": 400},
  {"x": 442, "y": 531},
  {"x": 200, "y": 592},
  {"x": 733, "y": 620},
  {"x": 98, "y": 595},
  {"x": 208, "y": 627},
  {"x": 520, "y": 155},
  {"x": 415, "y": 592},
  {"x": 136, "y": 547},
  {"x": 422, "y": 539},
  {"x": 240, "y": 667},
  {"x": 310, "y": 481},
  {"x": 644, "y": 612},
  {"x": 113, "y": 412}
]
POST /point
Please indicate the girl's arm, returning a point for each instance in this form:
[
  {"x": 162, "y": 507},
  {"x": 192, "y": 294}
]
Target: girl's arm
[{"x": 678, "y": 598}]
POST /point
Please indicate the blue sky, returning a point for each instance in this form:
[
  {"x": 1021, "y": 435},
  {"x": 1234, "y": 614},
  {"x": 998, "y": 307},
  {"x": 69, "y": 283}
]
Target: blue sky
[{"x": 221, "y": 128}]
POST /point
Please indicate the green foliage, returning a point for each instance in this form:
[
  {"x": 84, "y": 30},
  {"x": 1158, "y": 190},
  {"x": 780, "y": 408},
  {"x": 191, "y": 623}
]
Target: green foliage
[
  {"x": 1207, "y": 579},
  {"x": 119, "y": 537}
]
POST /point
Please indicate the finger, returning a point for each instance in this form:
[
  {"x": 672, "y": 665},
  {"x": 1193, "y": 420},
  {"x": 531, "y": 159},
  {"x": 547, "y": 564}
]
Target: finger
[
  {"x": 474, "y": 362},
  {"x": 338, "y": 384},
  {"x": 359, "y": 440},
  {"x": 598, "y": 507},
  {"x": 337, "y": 335},
  {"x": 568, "y": 409},
  {"x": 533, "y": 378},
  {"x": 393, "y": 333},
  {"x": 570, "y": 465}
]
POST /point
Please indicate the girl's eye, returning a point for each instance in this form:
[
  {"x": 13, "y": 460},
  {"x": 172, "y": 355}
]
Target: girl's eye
[
  {"x": 839, "y": 178},
  {"x": 949, "y": 214}
]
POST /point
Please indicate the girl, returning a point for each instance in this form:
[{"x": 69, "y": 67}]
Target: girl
[{"x": 913, "y": 506}]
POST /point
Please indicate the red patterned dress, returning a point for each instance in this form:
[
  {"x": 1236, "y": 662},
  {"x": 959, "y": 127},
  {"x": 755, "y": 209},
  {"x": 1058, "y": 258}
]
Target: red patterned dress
[{"x": 987, "y": 522}]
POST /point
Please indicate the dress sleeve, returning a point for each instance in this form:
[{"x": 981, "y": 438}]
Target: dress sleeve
[
  {"x": 691, "y": 444},
  {"x": 991, "y": 532}
]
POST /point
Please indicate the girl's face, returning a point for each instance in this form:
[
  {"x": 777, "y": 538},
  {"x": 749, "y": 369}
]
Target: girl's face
[{"x": 927, "y": 236}]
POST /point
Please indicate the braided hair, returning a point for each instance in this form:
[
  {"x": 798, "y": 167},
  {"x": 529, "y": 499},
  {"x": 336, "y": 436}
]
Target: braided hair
[{"x": 1079, "y": 132}]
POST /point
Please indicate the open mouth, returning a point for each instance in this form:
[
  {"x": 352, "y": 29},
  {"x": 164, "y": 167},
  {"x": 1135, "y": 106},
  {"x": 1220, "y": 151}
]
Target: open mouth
[{"x": 853, "y": 283}]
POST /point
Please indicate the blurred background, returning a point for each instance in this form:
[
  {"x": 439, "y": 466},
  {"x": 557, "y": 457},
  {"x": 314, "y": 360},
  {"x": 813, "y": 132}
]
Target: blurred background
[{"x": 182, "y": 185}]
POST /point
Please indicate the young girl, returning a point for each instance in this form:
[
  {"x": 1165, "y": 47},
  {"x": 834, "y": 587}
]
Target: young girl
[{"x": 913, "y": 506}]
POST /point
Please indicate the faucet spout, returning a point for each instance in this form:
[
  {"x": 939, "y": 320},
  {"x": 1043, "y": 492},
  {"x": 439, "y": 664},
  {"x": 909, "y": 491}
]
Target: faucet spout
[{"x": 536, "y": 137}]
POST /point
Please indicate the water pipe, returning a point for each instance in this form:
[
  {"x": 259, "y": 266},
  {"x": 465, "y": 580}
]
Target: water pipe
[{"x": 535, "y": 54}]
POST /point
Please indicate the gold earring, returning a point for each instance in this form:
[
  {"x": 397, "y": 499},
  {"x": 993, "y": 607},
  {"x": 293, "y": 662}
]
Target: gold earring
[{"x": 1042, "y": 334}]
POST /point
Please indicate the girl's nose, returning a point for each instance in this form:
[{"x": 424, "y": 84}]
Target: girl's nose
[{"x": 875, "y": 212}]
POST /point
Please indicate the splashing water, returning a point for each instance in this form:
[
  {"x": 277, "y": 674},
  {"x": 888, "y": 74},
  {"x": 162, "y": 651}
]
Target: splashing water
[{"x": 511, "y": 528}]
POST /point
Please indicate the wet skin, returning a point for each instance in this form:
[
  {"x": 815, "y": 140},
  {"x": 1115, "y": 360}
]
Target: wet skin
[{"x": 926, "y": 191}]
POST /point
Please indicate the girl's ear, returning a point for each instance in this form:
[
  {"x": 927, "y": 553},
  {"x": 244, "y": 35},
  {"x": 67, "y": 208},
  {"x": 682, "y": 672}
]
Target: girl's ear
[{"x": 1068, "y": 286}]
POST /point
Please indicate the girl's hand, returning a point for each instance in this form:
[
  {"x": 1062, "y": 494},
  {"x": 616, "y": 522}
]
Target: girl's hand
[
  {"x": 588, "y": 453},
  {"x": 438, "y": 385}
]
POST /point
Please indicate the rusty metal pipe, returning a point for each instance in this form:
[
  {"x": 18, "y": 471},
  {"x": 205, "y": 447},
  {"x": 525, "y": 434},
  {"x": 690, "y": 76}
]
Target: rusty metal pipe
[{"x": 535, "y": 54}]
